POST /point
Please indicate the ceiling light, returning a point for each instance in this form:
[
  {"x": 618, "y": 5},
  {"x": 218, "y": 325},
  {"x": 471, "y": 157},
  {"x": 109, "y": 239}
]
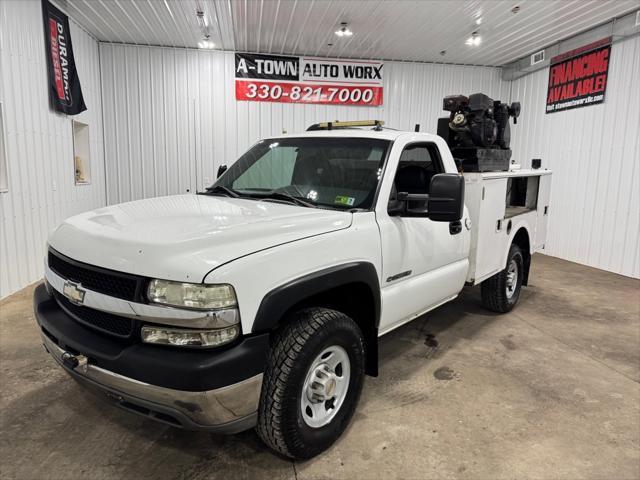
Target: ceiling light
[
  {"x": 204, "y": 25},
  {"x": 207, "y": 43},
  {"x": 203, "y": 21},
  {"x": 344, "y": 31},
  {"x": 474, "y": 40}
]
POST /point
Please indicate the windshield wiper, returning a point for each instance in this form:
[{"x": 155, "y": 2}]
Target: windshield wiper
[
  {"x": 220, "y": 189},
  {"x": 288, "y": 198}
]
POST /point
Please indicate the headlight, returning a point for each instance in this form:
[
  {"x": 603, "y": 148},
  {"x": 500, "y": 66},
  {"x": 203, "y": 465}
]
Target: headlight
[
  {"x": 191, "y": 295},
  {"x": 180, "y": 337}
]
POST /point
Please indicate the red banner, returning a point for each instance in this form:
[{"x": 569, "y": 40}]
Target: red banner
[
  {"x": 296, "y": 92},
  {"x": 578, "y": 78}
]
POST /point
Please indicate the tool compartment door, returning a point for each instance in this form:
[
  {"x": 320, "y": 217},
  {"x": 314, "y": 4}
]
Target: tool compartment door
[{"x": 491, "y": 236}]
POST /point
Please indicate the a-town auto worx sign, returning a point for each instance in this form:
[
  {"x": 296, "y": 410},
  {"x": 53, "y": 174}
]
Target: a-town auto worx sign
[
  {"x": 578, "y": 78},
  {"x": 277, "y": 78}
]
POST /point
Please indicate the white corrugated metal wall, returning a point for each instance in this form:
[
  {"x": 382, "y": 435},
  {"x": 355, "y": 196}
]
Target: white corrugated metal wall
[
  {"x": 41, "y": 190},
  {"x": 594, "y": 153},
  {"x": 171, "y": 117}
]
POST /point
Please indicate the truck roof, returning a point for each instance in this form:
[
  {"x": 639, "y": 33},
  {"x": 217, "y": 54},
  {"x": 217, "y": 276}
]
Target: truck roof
[{"x": 384, "y": 134}]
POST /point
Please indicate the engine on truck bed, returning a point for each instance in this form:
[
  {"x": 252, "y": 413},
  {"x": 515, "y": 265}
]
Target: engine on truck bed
[{"x": 477, "y": 131}]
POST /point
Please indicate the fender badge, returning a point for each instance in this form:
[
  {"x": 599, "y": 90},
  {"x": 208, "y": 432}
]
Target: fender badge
[
  {"x": 467, "y": 223},
  {"x": 73, "y": 292}
]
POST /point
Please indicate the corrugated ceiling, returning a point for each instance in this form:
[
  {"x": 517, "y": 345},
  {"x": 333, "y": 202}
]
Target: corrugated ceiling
[{"x": 384, "y": 29}]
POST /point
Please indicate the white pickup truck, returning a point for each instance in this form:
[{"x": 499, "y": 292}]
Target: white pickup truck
[{"x": 260, "y": 301}]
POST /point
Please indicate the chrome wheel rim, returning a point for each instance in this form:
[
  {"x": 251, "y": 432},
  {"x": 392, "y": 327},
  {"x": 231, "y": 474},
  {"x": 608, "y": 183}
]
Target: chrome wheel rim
[
  {"x": 512, "y": 278},
  {"x": 325, "y": 386}
]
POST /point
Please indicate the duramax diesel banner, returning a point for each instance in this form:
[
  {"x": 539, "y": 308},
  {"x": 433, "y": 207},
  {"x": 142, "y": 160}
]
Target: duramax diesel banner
[
  {"x": 579, "y": 78},
  {"x": 276, "y": 78},
  {"x": 65, "y": 93}
]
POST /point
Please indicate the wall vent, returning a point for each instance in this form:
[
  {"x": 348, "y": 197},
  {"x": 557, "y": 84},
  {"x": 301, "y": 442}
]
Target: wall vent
[{"x": 537, "y": 57}]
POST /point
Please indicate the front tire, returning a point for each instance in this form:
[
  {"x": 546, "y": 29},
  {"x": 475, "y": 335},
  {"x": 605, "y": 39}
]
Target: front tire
[
  {"x": 500, "y": 293},
  {"x": 312, "y": 382}
]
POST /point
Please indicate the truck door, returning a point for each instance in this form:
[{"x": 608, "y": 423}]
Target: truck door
[{"x": 424, "y": 263}]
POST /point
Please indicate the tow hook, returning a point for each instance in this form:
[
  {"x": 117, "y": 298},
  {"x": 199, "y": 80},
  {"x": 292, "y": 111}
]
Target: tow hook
[{"x": 72, "y": 361}]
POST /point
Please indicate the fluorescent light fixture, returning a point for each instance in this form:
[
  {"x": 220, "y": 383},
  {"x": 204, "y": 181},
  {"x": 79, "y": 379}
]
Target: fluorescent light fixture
[{"x": 207, "y": 43}]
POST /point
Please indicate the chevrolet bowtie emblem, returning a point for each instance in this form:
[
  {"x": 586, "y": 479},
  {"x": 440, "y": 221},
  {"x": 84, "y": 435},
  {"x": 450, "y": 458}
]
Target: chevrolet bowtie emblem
[{"x": 73, "y": 292}]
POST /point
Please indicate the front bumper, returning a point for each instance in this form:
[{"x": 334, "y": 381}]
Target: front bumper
[{"x": 227, "y": 408}]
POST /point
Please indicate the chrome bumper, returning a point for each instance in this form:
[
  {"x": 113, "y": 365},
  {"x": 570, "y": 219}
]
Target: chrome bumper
[{"x": 230, "y": 409}]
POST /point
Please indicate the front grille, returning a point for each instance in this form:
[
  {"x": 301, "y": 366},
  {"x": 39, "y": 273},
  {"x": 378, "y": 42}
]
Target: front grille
[
  {"x": 109, "y": 282},
  {"x": 105, "y": 322}
]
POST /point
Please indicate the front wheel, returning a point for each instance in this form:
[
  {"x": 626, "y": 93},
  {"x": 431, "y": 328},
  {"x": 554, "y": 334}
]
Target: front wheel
[
  {"x": 500, "y": 293},
  {"x": 312, "y": 382}
]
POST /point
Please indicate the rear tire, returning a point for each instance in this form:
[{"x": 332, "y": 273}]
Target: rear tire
[
  {"x": 312, "y": 382},
  {"x": 500, "y": 293}
]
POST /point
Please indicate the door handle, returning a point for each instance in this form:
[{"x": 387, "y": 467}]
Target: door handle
[{"x": 455, "y": 227}]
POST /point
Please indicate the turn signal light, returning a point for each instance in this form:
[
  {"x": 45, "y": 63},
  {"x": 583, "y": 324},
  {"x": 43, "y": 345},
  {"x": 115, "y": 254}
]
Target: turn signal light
[{"x": 179, "y": 337}]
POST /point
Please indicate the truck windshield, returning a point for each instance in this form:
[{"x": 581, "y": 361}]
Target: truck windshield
[{"x": 340, "y": 173}]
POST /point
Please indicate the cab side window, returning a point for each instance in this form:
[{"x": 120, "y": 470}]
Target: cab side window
[{"x": 419, "y": 162}]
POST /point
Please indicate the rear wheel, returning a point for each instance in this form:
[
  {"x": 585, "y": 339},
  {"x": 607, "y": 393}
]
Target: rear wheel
[
  {"x": 500, "y": 293},
  {"x": 312, "y": 382}
]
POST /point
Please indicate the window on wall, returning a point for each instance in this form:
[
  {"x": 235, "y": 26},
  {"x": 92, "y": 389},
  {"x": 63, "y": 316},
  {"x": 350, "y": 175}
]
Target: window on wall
[
  {"x": 4, "y": 181},
  {"x": 81, "y": 153}
]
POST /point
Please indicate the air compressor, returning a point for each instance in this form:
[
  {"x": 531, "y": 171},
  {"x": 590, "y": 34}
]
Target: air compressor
[{"x": 478, "y": 132}]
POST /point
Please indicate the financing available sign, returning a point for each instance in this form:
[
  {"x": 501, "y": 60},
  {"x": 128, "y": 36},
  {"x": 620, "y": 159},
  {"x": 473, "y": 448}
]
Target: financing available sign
[
  {"x": 65, "y": 93},
  {"x": 286, "y": 79},
  {"x": 579, "y": 78}
]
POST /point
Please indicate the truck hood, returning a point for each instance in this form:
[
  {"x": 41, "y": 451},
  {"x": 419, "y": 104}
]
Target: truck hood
[{"x": 184, "y": 237}]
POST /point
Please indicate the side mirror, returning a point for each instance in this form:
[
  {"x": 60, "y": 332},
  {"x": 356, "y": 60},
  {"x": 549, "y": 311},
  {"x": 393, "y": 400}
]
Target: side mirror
[
  {"x": 409, "y": 205},
  {"x": 446, "y": 197},
  {"x": 221, "y": 170}
]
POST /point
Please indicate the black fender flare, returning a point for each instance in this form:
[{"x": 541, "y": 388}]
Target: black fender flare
[
  {"x": 276, "y": 303},
  {"x": 279, "y": 300}
]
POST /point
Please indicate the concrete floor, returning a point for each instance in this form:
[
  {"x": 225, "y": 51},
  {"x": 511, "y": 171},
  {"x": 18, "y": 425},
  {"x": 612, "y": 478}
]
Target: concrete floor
[{"x": 550, "y": 390}]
